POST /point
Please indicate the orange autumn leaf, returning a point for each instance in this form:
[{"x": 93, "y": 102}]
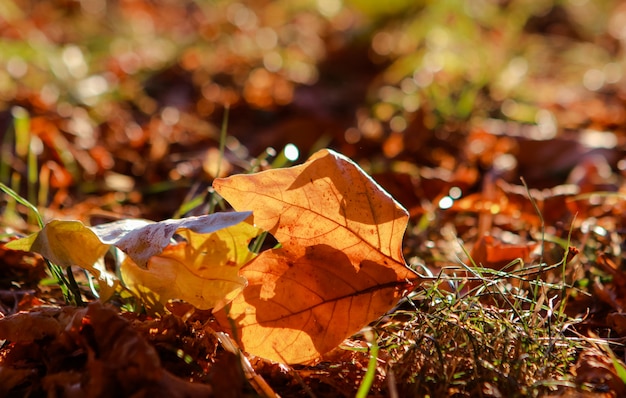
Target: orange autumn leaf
[
  {"x": 340, "y": 264},
  {"x": 493, "y": 253}
]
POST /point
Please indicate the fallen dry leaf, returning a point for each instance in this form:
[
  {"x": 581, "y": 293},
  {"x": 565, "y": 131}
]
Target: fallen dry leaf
[
  {"x": 492, "y": 253},
  {"x": 340, "y": 264},
  {"x": 203, "y": 271},
  {"x": 11, "y": 377},
  {"x": 617, "y": 322},
  {"x": 597, "y": 370},
  {"x": 68, "y": 243},
  {"x": 90, "y": 352},
  {"x": 42, "y": 322},
  {"x": 121, "y": 362},
  {"x": 142, "y": 239}
]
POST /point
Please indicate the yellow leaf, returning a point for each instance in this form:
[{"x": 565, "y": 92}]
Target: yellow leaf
[
  {"x": 68, "y": 243},
  {"x": 65, "y": 243},
  {"x": 216, "y": 248},
  {"x": 142, "y": 239},
  {"x": 204, "y": 270},
  {"x": 340, "y": 265}
]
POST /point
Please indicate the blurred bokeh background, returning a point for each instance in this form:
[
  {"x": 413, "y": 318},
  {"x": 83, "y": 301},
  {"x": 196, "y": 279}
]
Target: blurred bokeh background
[{"x": 124, "y": 100}]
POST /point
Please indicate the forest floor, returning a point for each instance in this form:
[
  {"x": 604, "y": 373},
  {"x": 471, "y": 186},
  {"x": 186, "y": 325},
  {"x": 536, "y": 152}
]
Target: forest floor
[{"x": 499, "y": 125}]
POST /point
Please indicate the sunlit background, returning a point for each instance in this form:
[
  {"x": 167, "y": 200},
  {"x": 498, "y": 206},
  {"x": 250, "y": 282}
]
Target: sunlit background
[{"x": 114, "y": 92}]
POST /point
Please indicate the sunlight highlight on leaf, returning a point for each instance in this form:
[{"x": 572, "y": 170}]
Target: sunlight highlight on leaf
[
  {"x": 142, "y": 239},
  {"x": 340, "y": 265},
  {"x": 68, "y": 243},
  {"x": 203, "y": 271}
]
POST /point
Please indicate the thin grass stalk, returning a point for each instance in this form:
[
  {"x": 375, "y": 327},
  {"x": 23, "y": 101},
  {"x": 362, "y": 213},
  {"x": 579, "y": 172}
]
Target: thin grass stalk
[
  {"x": 31, "y": 173},
  {"x": 6, "y": 154},
  {"x": 535, "y": 291},
  {"x": 223, "y": 133},
  {"x": 23, "y": 148},
  {"x": 370, "y": 374},
  {"x": 564, "y": 295},
  {"x": 68, "y": 285},
  {"x": 189, "y": 205},
  {"x": 191, "y": 202},
  {"x": 11, "y": 208},
  {"x": 44, "y": 185},
  {"x": 75, "y": 297},
  {"x": 258, "y": 243},
  {"x": 19, "y": 199},
  {"x": 284, "y": 159}
]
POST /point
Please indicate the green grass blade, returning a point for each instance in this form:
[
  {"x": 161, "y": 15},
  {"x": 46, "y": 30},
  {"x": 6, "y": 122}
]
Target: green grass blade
[
  {"x": 68, "y": 285},
  {"x": 223, "y": 133},
  {"x": 368, "y": 378},
  {"x": 15, "y": 196}
]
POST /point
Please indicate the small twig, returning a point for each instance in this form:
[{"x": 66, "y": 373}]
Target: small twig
[{"x": 257, "y": 382}]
